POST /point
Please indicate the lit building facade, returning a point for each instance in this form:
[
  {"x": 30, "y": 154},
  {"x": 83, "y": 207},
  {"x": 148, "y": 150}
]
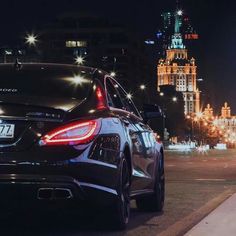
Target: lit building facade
[
  {"x": 226, "y": 121},
  {"x": 178, "y": 70},
  {"x": 223, "y": 124},
  {"x": 208, "y": 111},
  {"x": 226, "y": 111}
]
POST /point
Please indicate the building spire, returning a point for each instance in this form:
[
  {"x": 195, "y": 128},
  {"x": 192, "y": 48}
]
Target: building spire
[
  {"x": 178, "y": 14},
  {"x": 177, "y": 4},
  {"x": 178, "y": 17},
  {"x": 177, "y": 40}
]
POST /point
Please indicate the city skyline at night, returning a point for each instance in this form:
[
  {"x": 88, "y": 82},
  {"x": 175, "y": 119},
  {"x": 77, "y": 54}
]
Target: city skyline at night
[
  {"x": 178, "y": 70},
  {"x": 212, "y": 20}
]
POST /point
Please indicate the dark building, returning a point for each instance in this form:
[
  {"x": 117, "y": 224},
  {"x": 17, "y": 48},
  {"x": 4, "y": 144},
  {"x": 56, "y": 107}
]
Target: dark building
[
  {"x": 172, "y": 104},
  {"x": 9, "y": 54},
  {"x": 99, "y": 43},
  {"x": 173, "y": 120}
]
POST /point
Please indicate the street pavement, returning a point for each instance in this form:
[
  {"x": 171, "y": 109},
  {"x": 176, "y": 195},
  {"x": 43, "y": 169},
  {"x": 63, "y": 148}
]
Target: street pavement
[
  {"x": 219, "y": 222},
  {"x": 196, "y": 184}
]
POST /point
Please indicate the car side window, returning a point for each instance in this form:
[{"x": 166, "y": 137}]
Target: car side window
[
  {"x": 128, "y": 103},
  {"x": 113, "y": 96}
]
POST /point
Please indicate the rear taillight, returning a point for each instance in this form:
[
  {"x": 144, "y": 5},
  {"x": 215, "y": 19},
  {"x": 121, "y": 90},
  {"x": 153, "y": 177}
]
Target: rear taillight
[{"x": 80, "y": 132}]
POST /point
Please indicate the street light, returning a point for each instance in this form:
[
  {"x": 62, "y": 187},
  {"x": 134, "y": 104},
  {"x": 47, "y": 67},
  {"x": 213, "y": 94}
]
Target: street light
[
  {"x": 79, "y": 60},
  {"x": 215, "y": 122},
  {"x": 142, "y": 86},
  {"x": 174, "y": 99},
  {"x": 199, "y": 119},
  {"x": 200, "y": 79},
  {"x": 164, "y": 108},
  {"x": 199, "y": 115},
  {"x": 31, "y": 39}
]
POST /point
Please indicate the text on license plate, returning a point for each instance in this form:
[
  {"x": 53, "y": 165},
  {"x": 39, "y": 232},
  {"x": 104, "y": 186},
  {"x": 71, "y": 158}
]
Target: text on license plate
[{"x": 7, "y": 130}]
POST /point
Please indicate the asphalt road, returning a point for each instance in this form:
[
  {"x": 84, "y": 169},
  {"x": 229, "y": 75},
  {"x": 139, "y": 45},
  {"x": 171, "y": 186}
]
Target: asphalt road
[{"x": 196, "y": 184}]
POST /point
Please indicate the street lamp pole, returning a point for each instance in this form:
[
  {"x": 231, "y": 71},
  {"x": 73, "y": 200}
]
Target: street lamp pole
[
  {"x": 4, "y": 57},
  {"x": 190, "y": 118},
  {"x": 163, "y": 124},
  {"x": 192, "y": 130},
  {"x": 174, "y": 100},
  {"x": 143, "y": 89}
]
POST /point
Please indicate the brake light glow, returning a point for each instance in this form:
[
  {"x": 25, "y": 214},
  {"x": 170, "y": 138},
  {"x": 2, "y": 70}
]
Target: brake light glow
[
  {"x": 72, "y": 134},
  {"x": 100, "y": 99}
]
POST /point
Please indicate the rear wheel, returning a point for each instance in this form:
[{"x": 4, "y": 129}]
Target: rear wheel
[
  {"x": 154, "y": 201},
  {"x": 121, "y": 209}
]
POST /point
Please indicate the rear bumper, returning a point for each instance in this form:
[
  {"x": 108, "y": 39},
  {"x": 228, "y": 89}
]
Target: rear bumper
[
  {"x": 89, "y": 180},
  {"x": 28, "y": 187}
]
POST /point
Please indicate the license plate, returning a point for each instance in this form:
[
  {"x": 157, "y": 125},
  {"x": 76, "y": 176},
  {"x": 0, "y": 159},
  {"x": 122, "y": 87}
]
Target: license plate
[{"x": 7, "y": 130}]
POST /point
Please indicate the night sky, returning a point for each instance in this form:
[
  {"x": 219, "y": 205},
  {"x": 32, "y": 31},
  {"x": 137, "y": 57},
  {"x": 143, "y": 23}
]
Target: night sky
[{"x": 214, "y": 20}]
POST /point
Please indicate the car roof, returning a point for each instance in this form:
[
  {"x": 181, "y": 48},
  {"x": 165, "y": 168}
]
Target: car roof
[{"x": 48, "y": 66}]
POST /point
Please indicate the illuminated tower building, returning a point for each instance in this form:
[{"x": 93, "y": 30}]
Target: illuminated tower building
[
  {"x": 208, "y": 111},
  {"x": 225, "y": 111},
  {"x": 178, "y": 70}
]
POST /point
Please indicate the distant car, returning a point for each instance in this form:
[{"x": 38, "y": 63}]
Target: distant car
[{"x": 72, "y": 133}]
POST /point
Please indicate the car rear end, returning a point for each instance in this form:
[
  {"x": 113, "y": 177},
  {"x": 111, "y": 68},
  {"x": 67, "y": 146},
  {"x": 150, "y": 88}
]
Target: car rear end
[{"x": 50, "y": 128}]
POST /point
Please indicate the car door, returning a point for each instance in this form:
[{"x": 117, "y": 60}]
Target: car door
[{"x": 143, "y": 146}]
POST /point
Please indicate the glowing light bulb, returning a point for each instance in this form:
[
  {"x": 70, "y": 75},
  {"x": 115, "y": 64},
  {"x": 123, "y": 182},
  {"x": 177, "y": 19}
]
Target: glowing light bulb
[
  {"x": 179, "y": 12},
  {"x": 79, "y": 60},
  {"x": 31, "y": 39}
]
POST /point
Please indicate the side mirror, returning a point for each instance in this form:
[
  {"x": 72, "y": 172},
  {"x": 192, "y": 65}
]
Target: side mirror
[{"x": 151, "y": 111}]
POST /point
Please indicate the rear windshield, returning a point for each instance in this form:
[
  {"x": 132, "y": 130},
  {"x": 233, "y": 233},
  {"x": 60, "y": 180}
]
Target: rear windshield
[{"x": 45, "y": 81}]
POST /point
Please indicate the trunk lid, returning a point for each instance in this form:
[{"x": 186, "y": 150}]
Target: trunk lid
[
  {"x": 22, "y": 125},
  {"x": 34, "y": 99}
]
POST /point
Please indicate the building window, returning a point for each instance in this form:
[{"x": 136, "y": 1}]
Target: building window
[
  {"x": 75, "y": 44},
  {"x": 70, "y": 44},
  {"x": 81, "y": 44}
]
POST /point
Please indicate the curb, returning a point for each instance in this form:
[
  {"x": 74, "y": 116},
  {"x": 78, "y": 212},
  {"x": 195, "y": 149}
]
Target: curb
[{"x": 183, "y": 226}]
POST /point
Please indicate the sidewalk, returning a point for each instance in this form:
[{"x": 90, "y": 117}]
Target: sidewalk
[{"x": 221, "y": 221}]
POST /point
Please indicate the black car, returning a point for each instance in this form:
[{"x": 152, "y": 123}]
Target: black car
[{"x": 70, "y": 133}]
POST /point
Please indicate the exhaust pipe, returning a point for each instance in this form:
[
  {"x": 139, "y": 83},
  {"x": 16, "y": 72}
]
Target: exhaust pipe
[
  {"x": 54, "y": 194},
  {"x": 45, "y": 193},
  {"x": 62, "y": 193}
]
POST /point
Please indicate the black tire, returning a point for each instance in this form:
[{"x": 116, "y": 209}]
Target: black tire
[
  {"x": 155, "y": 201},
  {"x": 121, "y": 208}
]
